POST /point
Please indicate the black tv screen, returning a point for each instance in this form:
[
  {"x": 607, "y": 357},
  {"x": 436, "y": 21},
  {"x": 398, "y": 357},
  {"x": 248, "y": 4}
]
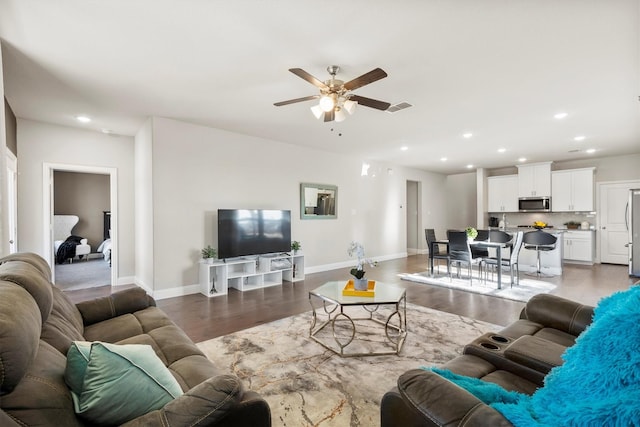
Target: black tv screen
[{"x": 253, "y": 232}]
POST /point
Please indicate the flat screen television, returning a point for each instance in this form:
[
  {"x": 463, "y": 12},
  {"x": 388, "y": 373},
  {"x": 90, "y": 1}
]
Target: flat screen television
[{"x": 253, "y": 232}]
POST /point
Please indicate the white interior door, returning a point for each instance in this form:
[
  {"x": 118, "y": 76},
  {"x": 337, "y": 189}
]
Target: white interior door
[
  {"x": 12, "y": 201},
  {"x": 614, "y": 234}
]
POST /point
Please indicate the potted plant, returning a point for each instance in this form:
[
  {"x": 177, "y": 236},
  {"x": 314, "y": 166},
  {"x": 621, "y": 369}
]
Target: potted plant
[
  {"x": 209, "y": 254},
  {"x": 472, "y": 233},
  {"x": 295, "y": 246},
  {"x": 572, "y": 225},
  {"x": 359, "y": 282}
]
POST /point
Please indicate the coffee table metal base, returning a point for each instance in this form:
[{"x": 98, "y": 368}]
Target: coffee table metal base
[{"x": 395, "y": 326}]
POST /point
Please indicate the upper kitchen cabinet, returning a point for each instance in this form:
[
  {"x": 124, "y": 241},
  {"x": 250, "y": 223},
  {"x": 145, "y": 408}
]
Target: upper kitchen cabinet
[
  {"x": 534, "y": 180},
  {"x": 572, "y": 190},
  {"x": 502, "y": 193}
]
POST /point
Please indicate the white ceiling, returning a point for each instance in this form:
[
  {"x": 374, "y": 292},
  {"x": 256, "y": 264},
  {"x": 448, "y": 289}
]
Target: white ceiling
[{"x": 500, "y": 69}]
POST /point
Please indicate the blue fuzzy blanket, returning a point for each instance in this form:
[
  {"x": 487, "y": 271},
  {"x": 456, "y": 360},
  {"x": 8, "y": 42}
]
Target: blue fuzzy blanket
[{"x": 597, "y": 385}]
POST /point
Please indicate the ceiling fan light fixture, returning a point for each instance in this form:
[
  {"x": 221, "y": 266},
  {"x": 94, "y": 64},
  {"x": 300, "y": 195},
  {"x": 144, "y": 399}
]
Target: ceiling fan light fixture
[
  {"x": 317, "y": 111},
  {"x": 327, "y": 103},
  {"x": 339, "y": 115},
  {"x": 350, "y": 106}
]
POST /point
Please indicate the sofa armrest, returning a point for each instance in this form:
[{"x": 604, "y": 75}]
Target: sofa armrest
[
  {"x": 559, "y": 313},
  {"x": 206, "y": 404},
  {"x": 116, "y": 304},
  {"x": 443, "y": 403}
]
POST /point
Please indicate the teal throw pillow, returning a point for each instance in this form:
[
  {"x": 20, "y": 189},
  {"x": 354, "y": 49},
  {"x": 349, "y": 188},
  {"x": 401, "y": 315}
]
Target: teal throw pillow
[{"x": 112, "y": 384}]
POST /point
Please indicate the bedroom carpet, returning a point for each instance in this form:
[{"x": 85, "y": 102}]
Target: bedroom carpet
[
  {"x": 307, "y": 385},
  {"x": 527, "y": 287},
  {"x": 82, "y": 274}
]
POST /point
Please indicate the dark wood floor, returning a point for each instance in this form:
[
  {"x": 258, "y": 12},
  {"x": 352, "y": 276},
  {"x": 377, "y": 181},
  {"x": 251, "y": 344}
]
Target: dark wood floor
[{"x": 203, "y": 318}]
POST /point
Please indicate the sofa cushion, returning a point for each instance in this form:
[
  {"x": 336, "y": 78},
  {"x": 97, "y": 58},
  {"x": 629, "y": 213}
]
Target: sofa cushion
[
  {"x": 64, "y": 324},
  {"x": 20, "y": 324},
  {"x": 33, "y": 281},
  {"x": 42, "y": 398},
  {"x": 34, "y": 259},
  {"x": 112, "y": 384}
]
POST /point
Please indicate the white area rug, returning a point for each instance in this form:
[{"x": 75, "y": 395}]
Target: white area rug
[
  {"x": 527, "y": 287},
  {"x": 308, "y": 385}
]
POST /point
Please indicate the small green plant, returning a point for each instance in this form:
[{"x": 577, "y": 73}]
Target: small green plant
[
  {"x": 471, "y": 232},
  {"x": 295, "y": 245},
  {"x": 209, "y": 252}
]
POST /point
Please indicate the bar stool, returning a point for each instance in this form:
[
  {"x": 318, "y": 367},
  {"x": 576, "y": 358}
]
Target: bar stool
[{"x": 539, "y": 241}]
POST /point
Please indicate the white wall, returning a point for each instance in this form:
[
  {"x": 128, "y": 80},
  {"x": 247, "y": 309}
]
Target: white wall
[
  {"x": 40, "y": 143},
  {"x": 462, "y": 200},
  {"x": 4, "y": 205},
  {"x": 144, "y": 206},
  {"x": 198, "y": 170}
]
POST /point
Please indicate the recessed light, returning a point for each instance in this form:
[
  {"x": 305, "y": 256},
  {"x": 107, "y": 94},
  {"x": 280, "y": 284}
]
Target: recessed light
[
  {"x": 501, "y": 150},
  {"x": 469, "y": 166},
  {"x": 404, "y": 148},
  {"x": 467, "y": 135},
  {"x": 591, "y": 150},
  {"x": 560, "y": 116},
  {"x": 522, "y": 159},
  {"x": 579, "y": 138},
  {"x": 83, "y": 119},
  {"x": 443, "y": 159}
]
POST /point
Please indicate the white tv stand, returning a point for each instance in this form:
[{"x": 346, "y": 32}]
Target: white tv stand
[{"x": 245, "y": 274}]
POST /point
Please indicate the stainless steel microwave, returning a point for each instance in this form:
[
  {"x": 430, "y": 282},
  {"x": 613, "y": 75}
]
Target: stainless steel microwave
[{"x": 534, "y": 204}]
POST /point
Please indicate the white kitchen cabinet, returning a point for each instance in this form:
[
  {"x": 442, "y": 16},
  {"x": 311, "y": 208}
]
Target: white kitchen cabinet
[
  {"x": 578, "y": 246},
  {"x": 502, "y": 193},
  {"x": 534, "y": 180},
  {"x": 572, "y": 190}
]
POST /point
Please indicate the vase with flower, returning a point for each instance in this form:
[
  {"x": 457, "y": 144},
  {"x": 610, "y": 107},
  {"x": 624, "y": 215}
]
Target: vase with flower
[
  {"x": 359, "y": 281},
  {"x": 472, "y": 233}
]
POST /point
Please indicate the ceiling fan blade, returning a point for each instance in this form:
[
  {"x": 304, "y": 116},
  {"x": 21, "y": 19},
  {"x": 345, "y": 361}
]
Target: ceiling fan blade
[
  {"x": 365, "y": 79},
  {"x": 372, "y": 103},
  {"x": 293, "y": 101},
  {"x": 308, "y": 77},
  {"x": 329, "y": 116}
]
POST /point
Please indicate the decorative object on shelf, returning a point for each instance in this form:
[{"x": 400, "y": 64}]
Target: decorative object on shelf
[
  {"x": 360, "y": 283},
  {"x": 295, "y": 246},
  {"x": 209, "y": 254},
  {"x": 572, "y": 225},
  {"x": 539, "y": 225},
  {"x": 350, "y": 290},
  {"x": 472, "y": 233}
]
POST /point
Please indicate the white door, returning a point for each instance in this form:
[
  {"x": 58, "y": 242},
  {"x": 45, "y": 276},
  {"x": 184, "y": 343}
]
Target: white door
[
  {"x": 614, "y": 235},
  {"x": 12, "y": 200}
]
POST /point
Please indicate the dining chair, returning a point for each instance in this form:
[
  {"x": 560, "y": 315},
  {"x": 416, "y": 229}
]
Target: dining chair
[
  {"x": 460, "y": 252},
  {"x": 511, "y": 262},
  {"x": 539, "y": 241},
  {"x": 483, "y": 236},
  {"x": 434, "y": 249},
  {"x": 499, "y": 236}
]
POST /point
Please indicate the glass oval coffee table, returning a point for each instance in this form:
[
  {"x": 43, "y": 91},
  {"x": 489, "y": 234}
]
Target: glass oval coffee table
[{"x": 359, "y": 325}]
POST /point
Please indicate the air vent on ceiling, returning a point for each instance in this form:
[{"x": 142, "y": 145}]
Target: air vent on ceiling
[{"x": 397, "y": 107}]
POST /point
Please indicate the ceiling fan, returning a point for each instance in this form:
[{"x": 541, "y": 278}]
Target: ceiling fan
[{"x": 335, "y": 95}]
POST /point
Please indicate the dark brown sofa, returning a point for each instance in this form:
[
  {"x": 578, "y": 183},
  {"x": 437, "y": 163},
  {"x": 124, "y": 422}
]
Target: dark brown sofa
[
  {"x": 517, "y": 358},
  {"x": 38, "y": 324}
]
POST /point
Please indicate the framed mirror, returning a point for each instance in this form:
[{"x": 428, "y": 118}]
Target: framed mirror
[{"x": 318, "y": 201}]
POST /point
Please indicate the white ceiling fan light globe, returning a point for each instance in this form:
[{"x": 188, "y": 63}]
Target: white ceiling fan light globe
[
  {"x": 317, "y": 111},
  {"x": 339, "y": 115},
  {"x": 327, "y": 103},
  {"x": 350, "y": 106}
]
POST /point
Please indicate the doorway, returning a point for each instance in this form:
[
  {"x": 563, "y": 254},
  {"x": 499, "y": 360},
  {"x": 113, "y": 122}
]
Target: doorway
[
  {"x": 12, "y": 201},
  {"x": 614, "y": 235},
  {"x": 413, "y": 217},
  {"x": 82, "y": 266}
]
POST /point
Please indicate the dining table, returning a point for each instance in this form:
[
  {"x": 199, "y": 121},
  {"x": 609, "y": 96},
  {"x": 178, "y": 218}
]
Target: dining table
[{"x": 498, "y": 246}]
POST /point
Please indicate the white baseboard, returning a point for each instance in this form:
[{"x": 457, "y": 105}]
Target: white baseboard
[
  {"x": 127, "y": 280},
  {"x": 178, "y": 291}
]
